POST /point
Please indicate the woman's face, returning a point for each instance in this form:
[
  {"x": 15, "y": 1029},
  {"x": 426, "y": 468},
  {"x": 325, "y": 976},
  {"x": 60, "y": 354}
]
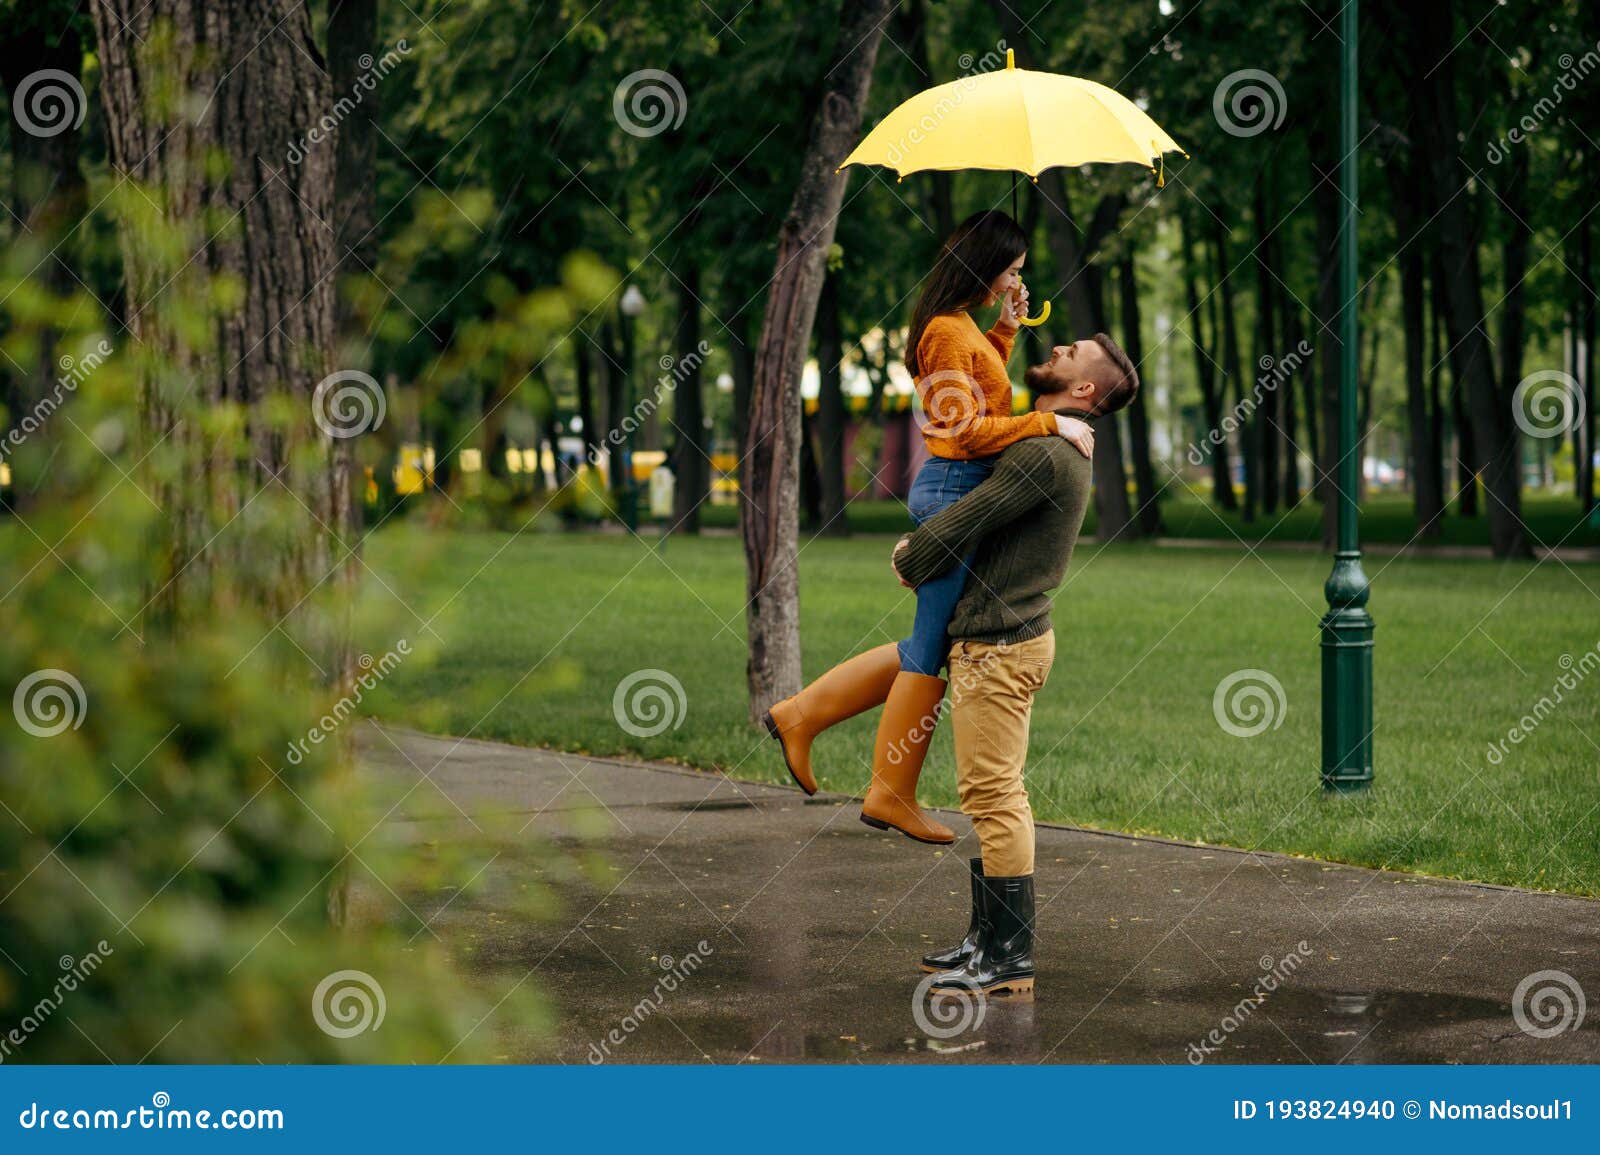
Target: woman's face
[{"x": 1006, "y": 281}]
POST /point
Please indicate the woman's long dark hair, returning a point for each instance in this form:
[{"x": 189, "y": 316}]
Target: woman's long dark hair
[{"x": 982, "y": 247}]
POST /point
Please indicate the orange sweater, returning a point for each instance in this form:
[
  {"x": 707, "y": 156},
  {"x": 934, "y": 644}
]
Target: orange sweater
[{"x": 965, "y": 393}]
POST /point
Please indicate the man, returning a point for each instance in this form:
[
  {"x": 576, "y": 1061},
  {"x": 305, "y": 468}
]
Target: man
[{"x": 1024, "y": 521}]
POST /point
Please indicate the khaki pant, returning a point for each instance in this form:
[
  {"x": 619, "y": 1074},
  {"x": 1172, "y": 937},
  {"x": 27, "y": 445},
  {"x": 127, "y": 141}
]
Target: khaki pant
[{"x": 991, "y": 699}]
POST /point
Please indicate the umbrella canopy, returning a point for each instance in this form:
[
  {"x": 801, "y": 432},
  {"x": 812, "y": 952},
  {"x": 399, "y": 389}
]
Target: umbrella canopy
[{"x": 1014, "y": 119}]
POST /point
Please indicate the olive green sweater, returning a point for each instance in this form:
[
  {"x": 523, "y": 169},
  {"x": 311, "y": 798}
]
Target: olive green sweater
[{"x": 1023, "y": 521}]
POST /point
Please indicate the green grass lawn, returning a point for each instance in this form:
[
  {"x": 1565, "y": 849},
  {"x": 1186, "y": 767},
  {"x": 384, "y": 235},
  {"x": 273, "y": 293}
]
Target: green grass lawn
[
  {"x": 1388, "y": 519},
  {"x": 535, "y": 633}
]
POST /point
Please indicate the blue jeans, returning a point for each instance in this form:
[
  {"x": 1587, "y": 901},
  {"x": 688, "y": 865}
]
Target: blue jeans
[{"x": 939, "y": 484}]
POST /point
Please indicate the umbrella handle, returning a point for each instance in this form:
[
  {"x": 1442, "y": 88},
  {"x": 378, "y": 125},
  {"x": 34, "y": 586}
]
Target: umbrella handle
[{"x": 1043, "y": 316}]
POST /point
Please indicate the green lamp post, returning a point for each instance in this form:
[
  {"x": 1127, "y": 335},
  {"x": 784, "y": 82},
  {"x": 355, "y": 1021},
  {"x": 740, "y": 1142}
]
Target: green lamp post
[{"x": 1347, "y": 626}]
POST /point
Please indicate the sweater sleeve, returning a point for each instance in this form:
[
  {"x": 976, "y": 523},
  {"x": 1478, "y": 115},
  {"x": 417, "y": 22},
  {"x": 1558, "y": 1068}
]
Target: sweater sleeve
[
  {"x": 983, "y": 436},
  {"x": 1002, "y": 340},
  {"x": 939, "y": 543}
]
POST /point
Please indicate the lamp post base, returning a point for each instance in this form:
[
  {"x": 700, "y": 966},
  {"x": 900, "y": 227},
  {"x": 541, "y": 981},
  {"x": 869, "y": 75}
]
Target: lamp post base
[{"x": 1347, "y": 630}]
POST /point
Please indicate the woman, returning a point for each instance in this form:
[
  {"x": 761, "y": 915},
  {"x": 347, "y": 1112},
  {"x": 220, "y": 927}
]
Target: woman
[{"x": 961, "y": 379}]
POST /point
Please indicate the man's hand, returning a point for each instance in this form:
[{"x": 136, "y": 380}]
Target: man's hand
[
  {"x": 894, "y": 557},
  {"x": 1079, "y": 433}
]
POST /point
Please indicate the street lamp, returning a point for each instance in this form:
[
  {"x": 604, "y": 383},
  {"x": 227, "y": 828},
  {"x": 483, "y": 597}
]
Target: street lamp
[
  {"x": 630, "y": 306},
  {"x": 1347, "y": 626}
]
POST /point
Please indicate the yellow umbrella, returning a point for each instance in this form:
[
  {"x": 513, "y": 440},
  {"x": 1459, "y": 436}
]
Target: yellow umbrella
[{"x": 1015, "y": 120}]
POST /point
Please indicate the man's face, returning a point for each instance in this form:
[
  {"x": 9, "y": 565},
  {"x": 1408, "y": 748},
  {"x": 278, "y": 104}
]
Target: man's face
[{"x": 1079, "y": 368}]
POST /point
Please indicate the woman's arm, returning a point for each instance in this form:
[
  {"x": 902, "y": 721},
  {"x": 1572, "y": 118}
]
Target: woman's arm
[
  {"x": 981, "y": 435},
  {"x": 1002, "y": 338}
]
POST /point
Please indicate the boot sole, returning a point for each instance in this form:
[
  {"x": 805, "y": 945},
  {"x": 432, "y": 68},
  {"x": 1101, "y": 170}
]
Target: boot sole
[
  {"x": 880, "y": 824},
  {"x": 933, "y": 970},
  {"x": 772, "y": 728},
  {"x": 1014, "y": 986}
]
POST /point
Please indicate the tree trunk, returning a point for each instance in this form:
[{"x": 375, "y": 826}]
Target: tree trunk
[
  {"x": 1426, "y": 497},
  {"x": 1447, "y": 349},
  {"x": 1514, "y": 267},
  {"x": 259, "y": 86},
  {"x": 48, "y": 200},
  {"x": 1457, "y": 229},
  {"x": 1266, "y": 426},
  {"x": 1233, "y": 370},
  {"x": 1215, "y": 445},
  {"x": 615, "y": 379},
  {"x": 1112, "y": 511},
  {"x": 1436, "y": 414},
  {"x": 1583, "y": 434},
  {"x": 1144, "y": 476},
  {"x": 583, "y": 369},
  {"x": 742, "y": 358},
  {"x": 691, "y": 462},
  {"x": 830, "y": 425},
  {"x": 352, "y": 36},
  {"x": 1372, "y": 335},
  {"x": 1326, "y": 209},
  {"x": 914, "y": 30},
  {"x": 770, "y": 524},
  {"x": 1292, "y": 334}
]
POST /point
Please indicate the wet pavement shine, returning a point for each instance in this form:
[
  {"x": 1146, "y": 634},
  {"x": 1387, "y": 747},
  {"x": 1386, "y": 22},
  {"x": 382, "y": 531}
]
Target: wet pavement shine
[{"x": 732, "y": 922}]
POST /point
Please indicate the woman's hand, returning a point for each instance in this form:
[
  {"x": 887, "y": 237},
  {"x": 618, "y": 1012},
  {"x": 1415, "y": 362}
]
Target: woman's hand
[
  {"x": 1014, "y": 307},
  {"x": 1079, "y": 433},
  {"x": 894, "y": 556}
]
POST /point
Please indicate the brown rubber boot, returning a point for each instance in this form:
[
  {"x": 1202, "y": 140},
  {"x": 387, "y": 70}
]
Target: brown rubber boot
[
  {"x": 854, "y": 685},
  {"x": 909, "y": 717}
]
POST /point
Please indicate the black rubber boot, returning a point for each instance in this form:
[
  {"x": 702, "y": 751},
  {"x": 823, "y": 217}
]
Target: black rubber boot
[
  {"x": 950, "y": 959},
  {"x": 1003, "y": 960}
]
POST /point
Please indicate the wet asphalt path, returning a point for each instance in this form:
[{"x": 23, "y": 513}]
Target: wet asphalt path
[{"x": 813, "y": 924}]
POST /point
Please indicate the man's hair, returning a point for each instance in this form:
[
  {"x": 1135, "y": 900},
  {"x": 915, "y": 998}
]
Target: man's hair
[
  {"x": 1110, "y": 396},
  {"x": 1118, "y": 394}
]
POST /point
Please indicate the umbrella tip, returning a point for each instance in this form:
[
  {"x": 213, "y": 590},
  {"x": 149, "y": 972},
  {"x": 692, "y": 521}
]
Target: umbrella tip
[{"x": 1011, "y": 58}]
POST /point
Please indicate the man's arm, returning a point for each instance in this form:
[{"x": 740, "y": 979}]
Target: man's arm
[{"x": 1021, "y": 481}]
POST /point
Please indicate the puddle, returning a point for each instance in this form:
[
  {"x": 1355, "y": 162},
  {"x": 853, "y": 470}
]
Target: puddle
[{"x": 709, "y": 804}]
